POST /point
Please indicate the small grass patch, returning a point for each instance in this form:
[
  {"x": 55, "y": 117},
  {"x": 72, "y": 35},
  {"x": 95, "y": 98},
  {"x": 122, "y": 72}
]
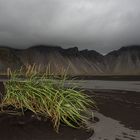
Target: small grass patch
[{"x": 47, "y": 98}]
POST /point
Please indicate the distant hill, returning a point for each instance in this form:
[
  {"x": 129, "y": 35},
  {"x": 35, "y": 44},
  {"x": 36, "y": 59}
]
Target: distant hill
[{"x": 125, "y": 61}]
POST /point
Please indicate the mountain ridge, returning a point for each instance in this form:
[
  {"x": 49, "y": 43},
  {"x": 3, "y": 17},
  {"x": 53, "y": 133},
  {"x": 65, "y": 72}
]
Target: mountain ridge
[{"x": 124, "y": 61}]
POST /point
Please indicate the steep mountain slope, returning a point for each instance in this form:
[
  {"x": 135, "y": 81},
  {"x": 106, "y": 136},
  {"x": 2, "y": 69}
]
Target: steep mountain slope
[
  {"x": 77, "y": 62},
  {"x": 126, "y": 60}
]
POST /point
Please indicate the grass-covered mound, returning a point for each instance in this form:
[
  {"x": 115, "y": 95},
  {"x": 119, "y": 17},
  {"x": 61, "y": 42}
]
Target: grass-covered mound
[{"x": 48, "y": 98}]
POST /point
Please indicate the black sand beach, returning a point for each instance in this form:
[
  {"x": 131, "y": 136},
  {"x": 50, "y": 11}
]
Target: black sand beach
[
  {"x": 21, "y": 128},
  {"x": 118, "y": 114}
]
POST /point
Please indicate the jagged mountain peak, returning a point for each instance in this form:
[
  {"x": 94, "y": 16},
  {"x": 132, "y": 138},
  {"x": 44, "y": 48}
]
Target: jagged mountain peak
[
  {"x": 125, "y": 49},
  {"x": 125, "y": 60},
  {"x": 130, "y": 48}
]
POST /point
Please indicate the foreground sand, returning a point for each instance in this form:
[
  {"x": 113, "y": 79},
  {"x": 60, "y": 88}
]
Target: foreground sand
[
  {"x": 23, "y": 128},
  {"x": 116, "y": 109}
]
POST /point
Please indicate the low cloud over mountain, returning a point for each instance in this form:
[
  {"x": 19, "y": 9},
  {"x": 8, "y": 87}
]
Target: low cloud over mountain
[{"x": 102, "y": 25}]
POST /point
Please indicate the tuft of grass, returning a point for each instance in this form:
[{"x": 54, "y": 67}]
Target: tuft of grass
[{"x": 47, "y": 98}]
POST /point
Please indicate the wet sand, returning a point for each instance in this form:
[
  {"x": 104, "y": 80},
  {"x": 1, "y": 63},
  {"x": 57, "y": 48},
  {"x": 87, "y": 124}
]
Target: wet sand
[{"x": 119, "y": 114}]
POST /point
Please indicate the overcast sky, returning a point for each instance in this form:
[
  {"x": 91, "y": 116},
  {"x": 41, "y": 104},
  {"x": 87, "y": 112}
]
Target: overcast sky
[{"x": 102, "y": 25}]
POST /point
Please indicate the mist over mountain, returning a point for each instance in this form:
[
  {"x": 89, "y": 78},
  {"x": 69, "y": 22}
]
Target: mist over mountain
[{"x": 125, "y": 61}]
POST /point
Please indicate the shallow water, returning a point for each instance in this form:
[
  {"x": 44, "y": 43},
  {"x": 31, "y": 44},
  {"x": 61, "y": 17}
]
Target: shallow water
[{"x": 103, "y": 84}]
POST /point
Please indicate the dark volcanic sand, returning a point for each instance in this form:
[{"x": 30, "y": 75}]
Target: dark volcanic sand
[{"x": 21, "y": 128}]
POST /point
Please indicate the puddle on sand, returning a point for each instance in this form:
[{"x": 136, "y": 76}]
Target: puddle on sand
[{"x": 110, "y": 129}]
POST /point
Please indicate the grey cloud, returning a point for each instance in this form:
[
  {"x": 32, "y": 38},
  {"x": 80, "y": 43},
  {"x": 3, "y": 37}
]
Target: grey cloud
[{"x": 101, "y": 25}]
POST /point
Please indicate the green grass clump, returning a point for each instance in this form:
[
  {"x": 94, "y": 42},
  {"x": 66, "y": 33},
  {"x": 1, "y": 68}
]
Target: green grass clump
[{"x": 48, "y": 98}]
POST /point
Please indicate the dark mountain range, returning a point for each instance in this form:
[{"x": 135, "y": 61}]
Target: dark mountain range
[{"x": 125, "y": 61}]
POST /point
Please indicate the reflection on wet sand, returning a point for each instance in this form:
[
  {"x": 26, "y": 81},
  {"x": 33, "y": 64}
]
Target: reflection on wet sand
[
  {"x": 119, "y": 113},
  {"x": 110, "y": 129}
]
